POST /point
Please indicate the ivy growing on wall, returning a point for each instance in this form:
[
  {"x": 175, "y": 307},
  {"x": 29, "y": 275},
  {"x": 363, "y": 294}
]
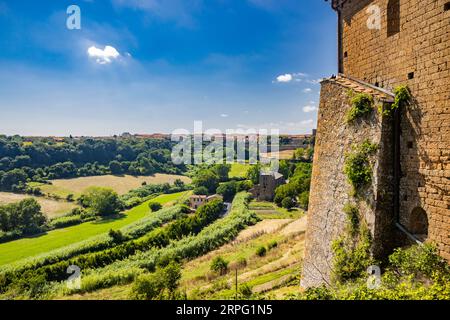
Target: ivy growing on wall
[
  {"x": 357, "y": 165},
  {"x": 361, "y": 105},
  {"x": 352, "y": 250},
  {"x": 402, "y": 97}
]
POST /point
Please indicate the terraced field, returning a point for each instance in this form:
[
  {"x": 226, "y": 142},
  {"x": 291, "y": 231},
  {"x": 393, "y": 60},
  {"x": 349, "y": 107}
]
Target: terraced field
[
  {"x": 269, "y": 210},
  {"x": 32, "y": 246}
]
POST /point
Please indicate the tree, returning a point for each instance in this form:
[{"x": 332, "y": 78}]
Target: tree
[
  {"x": 201, "y": 191},
  {"x": 227, "y": 190},
  {"x": 115, "y": 167},
  {"x": 253, "y": 173},
  {"x": 303, "y": 200},
  {"x": 101, "y": 201},
  {"x": 219, "y": 265},
  {"x": 155, "y": 206},
  {"x": 207, "y": 179},
  {"x": 288, "y": 203},
  {"x": 284, "y": 169},
  {"x": 178, "y": 183},
  {"x": 222, "y": 171},
  {"x": 24, "y": 216},
  {"x": 117, "y": 236}
]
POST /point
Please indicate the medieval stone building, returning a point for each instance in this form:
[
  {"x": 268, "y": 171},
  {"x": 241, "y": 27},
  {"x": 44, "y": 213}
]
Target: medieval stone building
[{"x": 384, "y": 44}]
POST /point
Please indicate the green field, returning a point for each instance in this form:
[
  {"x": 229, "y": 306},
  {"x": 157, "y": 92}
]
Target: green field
[
  {"x": 239, "y": 170},
  {"x": 28, "y": 247}
]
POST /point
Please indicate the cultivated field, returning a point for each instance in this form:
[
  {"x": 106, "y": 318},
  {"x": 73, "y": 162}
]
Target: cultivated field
[
  {"x": 28, "y": 247},
  {"x": 121, "y": 184},
  {"x": 239, "y": 170},
  {"x": 51, "y": 208},
  {"x": 282, "y": 155},
  {"x": 272, "y": 276},
  {"x": 269, "y": 210}
]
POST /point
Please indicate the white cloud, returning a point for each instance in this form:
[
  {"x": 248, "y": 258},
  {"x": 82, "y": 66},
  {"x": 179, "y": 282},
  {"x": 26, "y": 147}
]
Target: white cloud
[
  {"x": 307, "y": 90},
  {"x": 105, "y": 56},
  {"x": 308, "y": 109},
  {"x": 288, "y": 77},
  {"x": 285, "y": 78},
  {"x": 224, "y": 115}
]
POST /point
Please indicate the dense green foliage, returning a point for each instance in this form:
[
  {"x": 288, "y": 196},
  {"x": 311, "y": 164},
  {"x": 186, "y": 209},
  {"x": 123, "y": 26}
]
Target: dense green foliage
[
  {"x": 155, "y": 206},
  {"x": 357, "y": 165},
  {"x": 402, "y": 97},
  {"x": 298, "y": 186},
  {"x": 361, "y": 105},
  {"x": 39, "y": 159},
  {"x": 160, "y": 285},
  {"x": 352, "y": 254},
  {"x": 23, "y": 217},
  {"x": 219, "y": 265},
  {"x": 414, "y": 273},
  {"x": 101, "y": 201}
]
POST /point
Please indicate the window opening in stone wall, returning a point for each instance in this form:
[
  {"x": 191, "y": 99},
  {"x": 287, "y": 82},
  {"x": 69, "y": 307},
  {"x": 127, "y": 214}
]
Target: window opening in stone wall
[
  {"x": 447, "y": 6},
  {"x": 393, "y": 17},
  {"x": 418, "y": 223}
]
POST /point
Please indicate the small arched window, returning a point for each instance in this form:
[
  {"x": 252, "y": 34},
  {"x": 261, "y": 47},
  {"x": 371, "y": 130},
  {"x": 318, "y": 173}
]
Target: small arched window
[
  {"x": 418, "y": 223},
  {"x": 393, "y": 17}
]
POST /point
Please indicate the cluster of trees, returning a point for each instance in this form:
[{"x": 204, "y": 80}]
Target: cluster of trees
[
  {"x": 24, "y": 217},
  {"x": 101, "y": 201},
  {"x": 296, "y": 192},
  {"x": 216, "y": 179},
  {"x": 137, "y": 196},
  {"x": 40, "y": 159}
]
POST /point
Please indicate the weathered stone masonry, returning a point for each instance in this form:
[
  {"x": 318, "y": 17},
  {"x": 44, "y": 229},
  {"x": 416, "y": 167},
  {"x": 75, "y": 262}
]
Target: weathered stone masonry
[{"x": 412, "y": 47}]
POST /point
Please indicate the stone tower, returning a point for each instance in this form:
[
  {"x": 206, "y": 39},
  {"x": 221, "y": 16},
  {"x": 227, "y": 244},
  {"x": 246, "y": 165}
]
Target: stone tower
[{"x": 384, "y": 44}]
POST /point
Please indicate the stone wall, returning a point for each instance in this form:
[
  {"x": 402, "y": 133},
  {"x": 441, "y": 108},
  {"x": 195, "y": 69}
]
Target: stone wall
[
  {"x": 418, "y": 55},
  {"x": 330, "y": 190}
]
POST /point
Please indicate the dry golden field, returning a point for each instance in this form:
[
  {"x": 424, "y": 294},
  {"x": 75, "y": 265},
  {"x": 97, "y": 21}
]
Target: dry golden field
[
  {"x": 121, "y": 184},
  {"x": 51, "y": 208}
]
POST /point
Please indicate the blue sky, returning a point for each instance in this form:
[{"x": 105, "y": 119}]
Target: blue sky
[{"x": 230, "y": 63}]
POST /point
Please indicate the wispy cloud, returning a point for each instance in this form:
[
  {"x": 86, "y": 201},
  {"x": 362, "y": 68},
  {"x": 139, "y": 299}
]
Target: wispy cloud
[
  {"x": 180, "y": 11},
  {"x": 224, "y": 115},
  {"x": 307, "y": 90},
  {"x": 309, "y": 108}
]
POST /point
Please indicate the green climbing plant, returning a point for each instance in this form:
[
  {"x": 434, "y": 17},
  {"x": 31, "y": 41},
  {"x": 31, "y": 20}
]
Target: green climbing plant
[
  {"x": 357, "y": 165},
  {"x": 361, "y": 105},
  {"x": 351, "y": 251},
  {"x": 402, "y": 97}
]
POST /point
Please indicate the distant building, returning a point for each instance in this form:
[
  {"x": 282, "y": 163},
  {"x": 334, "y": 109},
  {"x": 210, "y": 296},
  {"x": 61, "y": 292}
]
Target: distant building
[
  {"x": 196, "y": 201},
  {"x": 268, "y": 182}
]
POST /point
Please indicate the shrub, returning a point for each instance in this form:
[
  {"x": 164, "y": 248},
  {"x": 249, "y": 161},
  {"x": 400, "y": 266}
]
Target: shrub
[
  {"x": 219, "y": 265},
  {"x": 272, "y": 244},
  {"x": 245, "y": 291},
  {"x": 303, "y": 200},
  {"x": 227, "y": 190},
  {"x": 357, "y": 165},
  {"x": 159, "y": 285},
  {"x": 361, "y": 105},
  {"x": 288, "y": 203},
  {"x": 261, "y": 251},
  {"x": 202, "y": 191},
  {"x": 101, "y": 201},
  {"x": 155, "y": 206},
  {"x": 116, "y": 236}
]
